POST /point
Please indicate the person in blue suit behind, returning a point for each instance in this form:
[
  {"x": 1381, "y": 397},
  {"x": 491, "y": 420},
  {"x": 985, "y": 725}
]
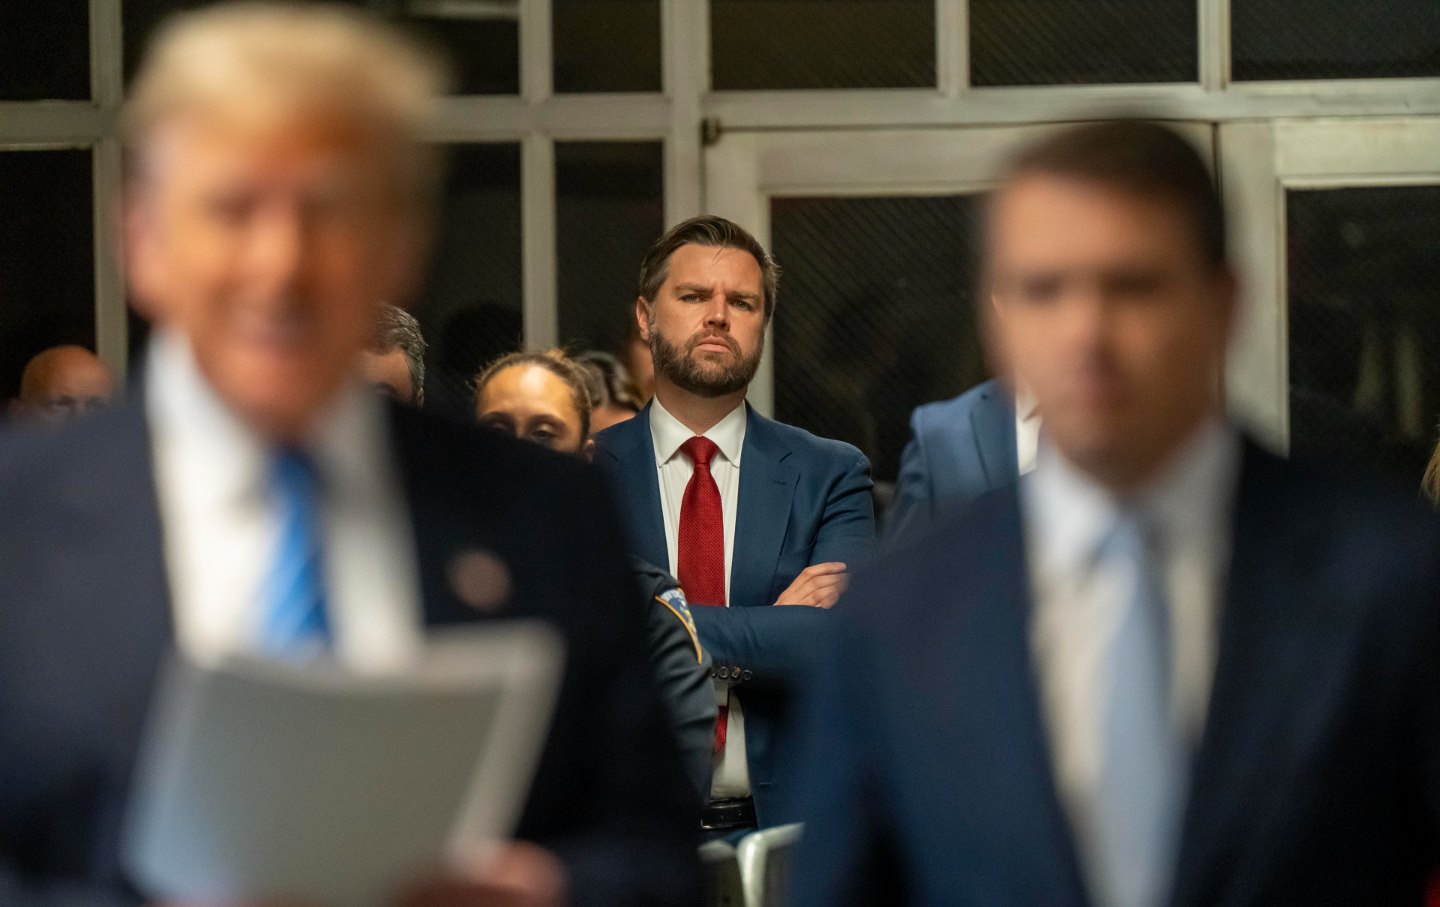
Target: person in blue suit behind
[
  {"x": 1166, "y": 667},
  {"x": 260, "y": 500},
  {"x": 747, "y": 513},
  {"x": 959, "y": 449}
]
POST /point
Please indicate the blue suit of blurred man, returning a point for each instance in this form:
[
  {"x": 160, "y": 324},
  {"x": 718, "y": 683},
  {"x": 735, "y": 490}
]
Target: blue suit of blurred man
[{"x": 1164, "y": 668}]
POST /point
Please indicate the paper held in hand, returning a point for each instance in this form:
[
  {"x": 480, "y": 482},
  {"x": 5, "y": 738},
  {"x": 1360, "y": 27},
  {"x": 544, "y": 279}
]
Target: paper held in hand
[{"x": 314, "y": 784}]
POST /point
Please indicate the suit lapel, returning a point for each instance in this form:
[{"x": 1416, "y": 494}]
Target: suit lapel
[
  {"x": 631, "y": 453},
  {"x": 993, "y": 424},
  {"x": 762, "y": 514},
  {"x": 1272, "y": 689}
]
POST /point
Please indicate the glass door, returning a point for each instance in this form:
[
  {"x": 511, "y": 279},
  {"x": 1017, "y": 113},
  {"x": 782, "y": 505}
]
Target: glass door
[{"x": 1335, "y": 222}]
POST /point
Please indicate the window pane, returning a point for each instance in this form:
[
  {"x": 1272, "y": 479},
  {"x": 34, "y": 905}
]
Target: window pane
[
  {"x": 44, "y": 50},
  {"x": 1365, "y": 325},
  {"x": 1334, "y": 39},
  {"x": 610, "y": 202},
  {"x": 606, "y": 45},
  {"x": 876, "y": 314},
  {"x": 481, "y": 41},
  {"x": 47, "y": 266},
  {"x": 470, "y": 307},
  {"x": 758, "y": 44},
  {"x": 1082, "y": 42}
]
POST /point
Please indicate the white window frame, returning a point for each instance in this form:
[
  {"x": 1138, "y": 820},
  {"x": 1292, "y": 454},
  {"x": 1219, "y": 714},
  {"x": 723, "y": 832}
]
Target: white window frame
[
  {"x": 537, "y": 118},
  {"x": 1261, "y": 161}
]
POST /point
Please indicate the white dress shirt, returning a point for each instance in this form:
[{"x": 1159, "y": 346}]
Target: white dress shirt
[
  {"x": 1078, "y": 600},
  {"x": 221, "y": 523},
  {"x": 1027, "y": 433},
  {"x": 732, "y": 773}
]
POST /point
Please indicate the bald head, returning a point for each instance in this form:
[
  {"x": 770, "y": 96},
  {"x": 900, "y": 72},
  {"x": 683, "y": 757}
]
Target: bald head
[{"x": 62, "y": 383}]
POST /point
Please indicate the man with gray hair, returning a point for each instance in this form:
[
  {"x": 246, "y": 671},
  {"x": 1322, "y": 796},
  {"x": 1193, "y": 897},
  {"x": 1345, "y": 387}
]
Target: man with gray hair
[
  {"x": 395, "y": 362},
  {"x": 260, "y": 503}
]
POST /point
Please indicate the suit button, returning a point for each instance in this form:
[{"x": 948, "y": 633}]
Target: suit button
[
  {"x": 746, "y": 674},
  {"x": 725, "y": 673},
  {"x": 713, "y": 672}
]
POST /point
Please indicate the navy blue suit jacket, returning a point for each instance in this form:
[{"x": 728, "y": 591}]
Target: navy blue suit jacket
[
  {"x": 1317, "y": 780},
  {"x": 803, "y": 500},
  {"x": 85, "y": 620},
  {"x": 958, "y": 450}
]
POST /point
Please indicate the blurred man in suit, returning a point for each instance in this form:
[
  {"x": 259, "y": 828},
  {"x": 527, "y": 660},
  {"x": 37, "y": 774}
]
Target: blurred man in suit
[
  {"x": 746, "y": 512},
  {"x": 278, "y": 189},
  {"x": 61, "y": 384},
  {"x": 959, "y": 449},
  {"x": 1167, "y": 667},
  {"x": 395, "y": 362}
]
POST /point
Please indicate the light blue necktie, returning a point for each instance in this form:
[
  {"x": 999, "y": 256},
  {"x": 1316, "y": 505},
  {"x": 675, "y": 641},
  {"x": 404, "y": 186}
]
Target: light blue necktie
[
  {"x": 1145, "y": 763},
  {"x": 293, "y": 594}
]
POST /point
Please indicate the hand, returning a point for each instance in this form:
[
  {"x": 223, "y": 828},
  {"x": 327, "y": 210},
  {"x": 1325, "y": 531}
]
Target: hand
[
  {"x": 818, "y": 586},
  {"x": 519, "y": 875}
]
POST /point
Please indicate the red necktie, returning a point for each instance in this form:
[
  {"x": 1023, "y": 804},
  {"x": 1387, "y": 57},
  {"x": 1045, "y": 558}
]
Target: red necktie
[{"x": 702, "y": 544}]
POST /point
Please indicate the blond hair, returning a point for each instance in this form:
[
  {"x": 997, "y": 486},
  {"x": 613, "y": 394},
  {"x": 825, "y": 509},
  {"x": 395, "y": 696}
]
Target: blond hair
[
  {"x": 1431, "y": 482},
  {"x": 262, "y": 57}
]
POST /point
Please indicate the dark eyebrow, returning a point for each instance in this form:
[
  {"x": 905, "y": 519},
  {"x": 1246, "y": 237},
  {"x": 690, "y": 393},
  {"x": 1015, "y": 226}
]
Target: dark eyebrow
[
  {"x": 693, "y": 288},
  {"x": 747, "y": 297}
]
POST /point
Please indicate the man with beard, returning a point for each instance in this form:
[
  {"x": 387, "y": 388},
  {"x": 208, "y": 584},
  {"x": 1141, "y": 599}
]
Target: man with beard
[{"x": 747, "y": 512}]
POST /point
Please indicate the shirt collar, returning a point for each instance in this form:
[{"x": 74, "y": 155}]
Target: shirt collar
[
  {"x": 1026, "y": 406},
  {"x": 1190, "y": 502},
  {"x": 187, "y": 416},
  {"x": 668, "y": 434}
]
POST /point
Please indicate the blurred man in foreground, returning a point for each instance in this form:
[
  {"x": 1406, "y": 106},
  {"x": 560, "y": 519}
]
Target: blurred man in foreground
[
  {"x": 395, "y": 362},
  {"x": 61, "y": 384},
  {"x": 277, "y": 191},
  {"x": 1168, "y": 668},
  {"x": 544, "y": 398}
]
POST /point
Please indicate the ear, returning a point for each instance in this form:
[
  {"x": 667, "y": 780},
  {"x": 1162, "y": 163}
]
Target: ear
[
  {"x": 642, "y": 317},
  {"x": 587, "y": 450}
]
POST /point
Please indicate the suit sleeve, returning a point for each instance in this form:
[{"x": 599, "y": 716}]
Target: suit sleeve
[
  {"x": 683, "y": 673},
  {"x": 776, "y": 645},
  {"x": 847, "y": 532},
  {"x": 619, "y": 812},
  {"x": 911, "y": 507}
]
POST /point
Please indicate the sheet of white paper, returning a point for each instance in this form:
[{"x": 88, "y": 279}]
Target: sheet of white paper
[{"x": 314, "y": 784}]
